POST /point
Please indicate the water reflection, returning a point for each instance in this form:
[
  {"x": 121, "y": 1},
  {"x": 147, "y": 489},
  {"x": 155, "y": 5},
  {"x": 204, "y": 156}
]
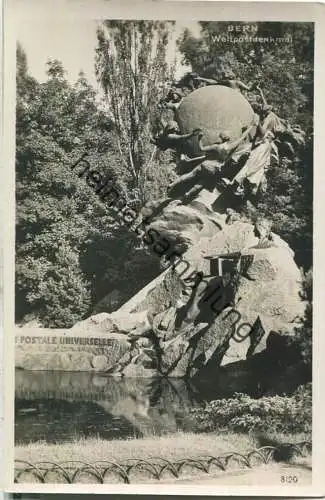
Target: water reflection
[{"x": 60, "y": 406}]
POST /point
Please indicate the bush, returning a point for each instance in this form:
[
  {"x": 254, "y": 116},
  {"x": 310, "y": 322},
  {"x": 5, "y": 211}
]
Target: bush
[
  {"x": 304, "y": 334},
  {"x": 272, "y": 414}
]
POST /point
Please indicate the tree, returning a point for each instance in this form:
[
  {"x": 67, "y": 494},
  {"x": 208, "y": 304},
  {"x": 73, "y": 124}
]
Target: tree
[
  {"x": 288, "y": 203},
  {"x": 133, "y": 70},
  {"x": 71, "y": 251},
  {"x": 304, "y": 333},
  {"x": 58, "y": 216}
]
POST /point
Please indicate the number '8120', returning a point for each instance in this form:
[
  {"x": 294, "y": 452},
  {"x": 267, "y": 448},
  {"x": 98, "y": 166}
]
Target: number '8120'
[{"x": 289, "y": 479}]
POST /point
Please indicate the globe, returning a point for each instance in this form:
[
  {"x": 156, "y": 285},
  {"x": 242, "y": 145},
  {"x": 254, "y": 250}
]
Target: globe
[{"x": 213, "y": 109}]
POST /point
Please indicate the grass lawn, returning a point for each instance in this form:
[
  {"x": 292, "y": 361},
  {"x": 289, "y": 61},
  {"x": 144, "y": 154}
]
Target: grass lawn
[{"x": 172, "y": 447}]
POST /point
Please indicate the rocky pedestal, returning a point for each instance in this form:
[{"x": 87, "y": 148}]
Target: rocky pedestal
[{"x": 141, "y": 339}]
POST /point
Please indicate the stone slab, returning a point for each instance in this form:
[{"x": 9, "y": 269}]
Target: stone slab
[{"x": 65, "y": 350}]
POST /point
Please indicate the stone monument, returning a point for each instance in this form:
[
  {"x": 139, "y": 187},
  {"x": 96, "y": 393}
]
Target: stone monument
[{"x": 228, "y": 281}]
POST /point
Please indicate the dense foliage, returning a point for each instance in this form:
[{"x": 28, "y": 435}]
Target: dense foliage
[
  {"x": 272, "y": 413},
  {"x": 304, "y": 333},
  {"x": 70, "y": 250}
]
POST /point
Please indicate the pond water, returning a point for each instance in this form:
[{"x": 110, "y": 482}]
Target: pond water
[{"x": 60, "y": 406}]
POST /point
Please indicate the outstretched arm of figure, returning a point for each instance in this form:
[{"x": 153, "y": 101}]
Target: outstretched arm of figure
[
  {"x": 194, "y": 191},
  {"x": 262, "y": 95},
  {"x": 190, "y": 135},
  {"x": 209, "y": 148},
  {"x": 232, "y": 146},
  {"x": 188, "y": 161},
  {"x": 181, "y": 136},
  {"x": 243, "y": 86},
  {"x": 211, "y": 81},
  {"x": 172, "y": 105}
]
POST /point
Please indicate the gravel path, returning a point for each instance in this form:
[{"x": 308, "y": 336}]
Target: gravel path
[{"x": 274, "y": 474}]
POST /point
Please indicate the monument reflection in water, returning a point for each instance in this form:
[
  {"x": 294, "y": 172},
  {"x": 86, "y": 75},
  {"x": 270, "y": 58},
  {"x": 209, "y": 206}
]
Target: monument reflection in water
[{"x": 62, "y": 406}]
